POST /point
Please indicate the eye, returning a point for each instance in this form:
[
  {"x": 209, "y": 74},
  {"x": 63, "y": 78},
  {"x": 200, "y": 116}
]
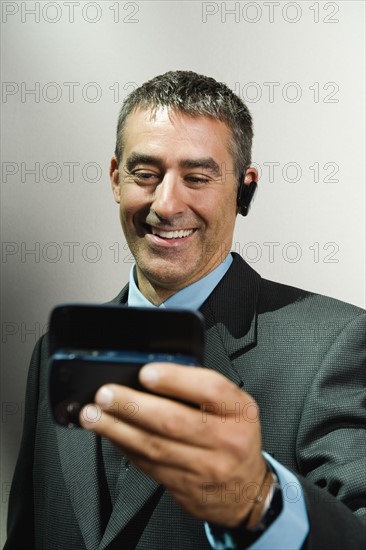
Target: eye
[
  {"x": 143, "y": 176},
  {"x": 197, "y": 179}
]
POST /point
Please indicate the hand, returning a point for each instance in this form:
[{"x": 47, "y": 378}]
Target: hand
[{"x": 209, "y": 459}]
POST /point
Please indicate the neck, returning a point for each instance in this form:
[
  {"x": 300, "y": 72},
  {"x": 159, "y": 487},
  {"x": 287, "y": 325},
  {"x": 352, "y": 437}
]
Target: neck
[{"x": 154, "y": 293}]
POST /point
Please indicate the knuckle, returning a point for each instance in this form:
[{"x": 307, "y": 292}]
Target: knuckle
[
  {"x": 218, "y": 472},
  {"x": 170, "y": 424},
  {"x": 237, "y": 446},
  {"x": 153, "y": 449},
  {"x": 234, "y": 440},
  {"x": 219, "y": 387}
]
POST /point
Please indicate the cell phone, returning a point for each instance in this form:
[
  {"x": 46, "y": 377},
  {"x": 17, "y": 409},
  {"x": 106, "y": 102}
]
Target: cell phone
[{"x": 93, "y": 345}]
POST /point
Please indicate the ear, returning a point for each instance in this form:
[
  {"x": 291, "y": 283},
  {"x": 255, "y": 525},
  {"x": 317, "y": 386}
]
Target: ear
[
  {"x": 251, "y": 175},
  {"x": 114, "y": 177}
]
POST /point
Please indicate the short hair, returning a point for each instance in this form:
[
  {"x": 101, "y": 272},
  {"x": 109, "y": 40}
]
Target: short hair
[{"x": 195, "y": 95}]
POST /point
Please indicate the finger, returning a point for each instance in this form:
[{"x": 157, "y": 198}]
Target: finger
[
  {"x": 161, "y": 416},
  {"x": 193, "y": 384},
  {"x": 134, "y": 441}
]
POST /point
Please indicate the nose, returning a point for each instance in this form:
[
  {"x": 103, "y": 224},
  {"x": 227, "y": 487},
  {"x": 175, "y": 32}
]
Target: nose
[{"x": 169, "y": 198}]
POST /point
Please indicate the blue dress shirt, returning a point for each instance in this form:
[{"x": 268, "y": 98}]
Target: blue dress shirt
[{"x": 290, "y": 529}]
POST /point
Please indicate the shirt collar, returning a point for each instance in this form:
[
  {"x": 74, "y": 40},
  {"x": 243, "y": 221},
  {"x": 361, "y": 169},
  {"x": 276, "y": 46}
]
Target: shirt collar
[{"x": 190, "y": 297}]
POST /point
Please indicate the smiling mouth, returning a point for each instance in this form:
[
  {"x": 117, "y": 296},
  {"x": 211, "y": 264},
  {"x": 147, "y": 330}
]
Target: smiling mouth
[{"x": 176, "y": 234}]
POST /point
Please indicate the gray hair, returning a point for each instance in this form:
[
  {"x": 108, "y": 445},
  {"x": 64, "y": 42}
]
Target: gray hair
[{"x": 194, "y": 95}]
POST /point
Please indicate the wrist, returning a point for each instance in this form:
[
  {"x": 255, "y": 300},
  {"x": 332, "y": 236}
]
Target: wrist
[
  {"x": 266, "y": 508},
  {"x": 262, "y": 500}
]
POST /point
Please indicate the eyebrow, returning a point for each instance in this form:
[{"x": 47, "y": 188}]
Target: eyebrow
[
  {"x": 139, "y": 158},
  {"x": 204, "y": 163}
]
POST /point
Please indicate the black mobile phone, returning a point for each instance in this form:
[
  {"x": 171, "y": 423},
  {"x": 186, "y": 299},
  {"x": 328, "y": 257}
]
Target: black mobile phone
[{"x": 93, "y": 345}]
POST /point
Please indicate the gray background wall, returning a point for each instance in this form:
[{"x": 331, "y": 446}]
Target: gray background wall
[{"x": 299, "y": 66}]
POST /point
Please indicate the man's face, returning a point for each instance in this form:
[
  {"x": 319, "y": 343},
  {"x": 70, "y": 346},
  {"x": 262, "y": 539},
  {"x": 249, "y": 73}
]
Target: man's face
[{"x": 177, "y": 193}]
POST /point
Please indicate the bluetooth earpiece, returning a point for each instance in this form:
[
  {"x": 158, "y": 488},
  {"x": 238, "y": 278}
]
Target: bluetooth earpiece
[{"x": 245, "y": 197}]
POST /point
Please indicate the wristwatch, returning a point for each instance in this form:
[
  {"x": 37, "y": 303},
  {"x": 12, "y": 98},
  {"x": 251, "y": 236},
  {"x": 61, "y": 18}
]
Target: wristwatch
[{"x": 241, "y": 537}]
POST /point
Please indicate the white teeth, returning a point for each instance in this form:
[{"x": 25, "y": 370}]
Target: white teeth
[{"x": 172, "y": 234}]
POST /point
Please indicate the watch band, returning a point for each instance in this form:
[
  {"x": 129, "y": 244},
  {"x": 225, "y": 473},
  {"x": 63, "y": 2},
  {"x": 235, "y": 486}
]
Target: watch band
[{"x": 241, "y": 537}]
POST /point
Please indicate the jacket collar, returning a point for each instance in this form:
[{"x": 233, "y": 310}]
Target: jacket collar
[
  {"x": 232, "y": 307},
  {"x": 230, "y": 315},
  {"x": 232, "y": 304}
]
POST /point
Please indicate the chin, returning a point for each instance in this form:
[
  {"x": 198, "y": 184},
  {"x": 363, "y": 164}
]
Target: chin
[
  {"x": 168, "y": 279},
  {"x": 167, "y": 275}
]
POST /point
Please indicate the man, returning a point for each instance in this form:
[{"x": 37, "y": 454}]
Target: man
[{"x": 275, "y": 455}]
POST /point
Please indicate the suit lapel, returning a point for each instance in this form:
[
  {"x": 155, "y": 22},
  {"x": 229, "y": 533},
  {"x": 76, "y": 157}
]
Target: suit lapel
[
  {"x": 78, "y": 451},
  {"x": 136, "y": 490},
  {"x": 230, "y": 315}
]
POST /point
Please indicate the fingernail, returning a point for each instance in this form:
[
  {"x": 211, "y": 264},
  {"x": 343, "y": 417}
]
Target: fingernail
[
  {"x": 89, "y": 415},
  {"x": 149, "y": 375},
  {"x": 104, "y": 396}
]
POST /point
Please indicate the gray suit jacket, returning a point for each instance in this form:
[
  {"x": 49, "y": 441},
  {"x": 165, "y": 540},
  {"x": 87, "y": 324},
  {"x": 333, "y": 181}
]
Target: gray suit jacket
[{"x": 300, "y": 355}]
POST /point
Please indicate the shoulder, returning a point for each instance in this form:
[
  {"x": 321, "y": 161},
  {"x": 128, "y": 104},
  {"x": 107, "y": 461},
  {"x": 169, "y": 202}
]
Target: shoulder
[
  {"x": 281, "y": 299},
  {"x": 304, "y": 304}
]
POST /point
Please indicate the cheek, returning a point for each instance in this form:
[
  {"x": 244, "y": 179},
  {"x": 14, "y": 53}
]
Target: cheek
[
  {"x": 134, "y": 197},
  {"x": 133, "y": 210},
  {"x": 126, "y": 216},
  {"x": 222, "y": 211},
  {"x": 224, "y": 220},
  {"x": 129, "y": 202}
]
